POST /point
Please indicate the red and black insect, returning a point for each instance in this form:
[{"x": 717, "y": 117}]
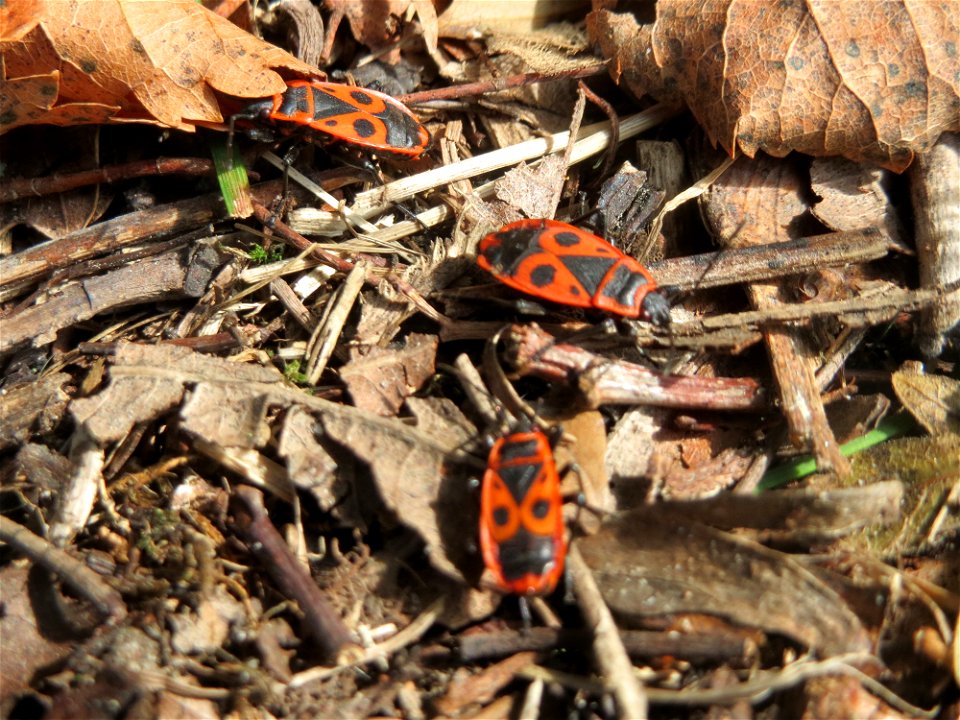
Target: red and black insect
[
  {"x": 522, "y": 533},
  {"x": 355, "y": 115},
  {"x": 558, "y": 262}
]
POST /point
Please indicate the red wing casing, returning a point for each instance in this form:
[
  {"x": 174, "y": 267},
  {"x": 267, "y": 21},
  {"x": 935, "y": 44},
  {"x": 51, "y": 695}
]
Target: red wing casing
[
  {"x": 354, "y": 115},
  {"x": 522, "y": 533},
  {"x": 558, "y": 262}
]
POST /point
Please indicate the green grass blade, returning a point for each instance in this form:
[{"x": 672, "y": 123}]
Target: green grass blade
[{"x": 888, "y": 428}]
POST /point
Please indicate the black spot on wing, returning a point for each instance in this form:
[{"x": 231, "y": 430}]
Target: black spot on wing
[
  {"x": 363, "y": 128},
  {"x": 361, "y": 98},
  {"x": 543, "y": 275},
  {"x": 540, "y": 509},
  {"x": 566, "y": 239}
]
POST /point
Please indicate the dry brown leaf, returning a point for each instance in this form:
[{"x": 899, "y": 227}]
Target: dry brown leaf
[
  {"x": 441, "y": 418},
  {"x": 219, "y": 414},
  {"x": 175, "y": 704},
  {"x": 533, "y": 191},
  {"x": 32, "y": 629},
  {"x": 30, "y": 408},
  {"x": 648, "y": 563},
  {"x": 467, "y": 690},
  {"x": 380, "y": 380},
  {"x": 309, "y": 464},
  {"x": 799, "y": 517},
  {"x": 19, "y": 18},
  {"x": 585, "y": 461},
  {"x": 374, "y": 23},
  {"x": 852, "y": 197},
  {"x": 205, "y": 629},
  {"x": 55, "y": 215},
  {"x": 41, "y": 467},
  {"x": 152, "y": 61},
  {"x": 934, "y": 400},
  {"x": 148, "y": 380},
  {"x": 465, "y": 18},
  {"x": 838, "y": 696},
  {"x": 631, "y": 452},
  {"x": 872, "y": 81},
  {"x": 408, "y": 469}
]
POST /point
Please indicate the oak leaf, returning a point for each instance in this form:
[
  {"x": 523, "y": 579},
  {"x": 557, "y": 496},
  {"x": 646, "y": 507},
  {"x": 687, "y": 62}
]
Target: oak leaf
[
  {"x": 148, "y": 61},
  {"x": 871, "y": 81}
]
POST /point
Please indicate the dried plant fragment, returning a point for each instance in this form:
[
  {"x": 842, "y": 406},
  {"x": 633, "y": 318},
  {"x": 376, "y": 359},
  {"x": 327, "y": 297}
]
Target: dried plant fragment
[
  {"x": 170, "y": 276},
  {"x": 802, "y": 516},
  {"x": 467, "y": 690},
  {"x": 532, "y": 191},
  {"x": 934, "y": 188},
  {"x": 852, "y": 197},
  {"x": 219, "y": 414},
  {"x": 754, "y": 202},
  {"x": 26, "y": 646}
]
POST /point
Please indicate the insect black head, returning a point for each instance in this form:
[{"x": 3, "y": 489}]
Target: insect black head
[{"x": 656, "y": 309}]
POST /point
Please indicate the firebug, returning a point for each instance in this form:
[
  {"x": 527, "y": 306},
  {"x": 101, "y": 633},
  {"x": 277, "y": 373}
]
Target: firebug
[
  {"x": 365, "y": 118},
  {"x": 522, "y": 532},
  {"x": 561, "y": 263}
]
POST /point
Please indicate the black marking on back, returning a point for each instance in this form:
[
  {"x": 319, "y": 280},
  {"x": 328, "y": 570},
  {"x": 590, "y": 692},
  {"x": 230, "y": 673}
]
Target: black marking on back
[
  {"x": 589, "y": 270},
  {"x": 294, "y": 101},
  {"x": 541, "y": 508},
  {"x": 567, "y": 239},
  {"x": 363, "y": 127},
  {"x": 514, "y": 247},
  {"x": 624, "y": 285},
  {"x": 361, "y": 98},
  {"x": 513, "y": 450},
  {"x": 520, "y": 478},
  {"x": 403, "y": 131},
  {"x": 526, "y": 553},
  {"x": 543, "y": 275},
  {"x": 326, "y": 105}
]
